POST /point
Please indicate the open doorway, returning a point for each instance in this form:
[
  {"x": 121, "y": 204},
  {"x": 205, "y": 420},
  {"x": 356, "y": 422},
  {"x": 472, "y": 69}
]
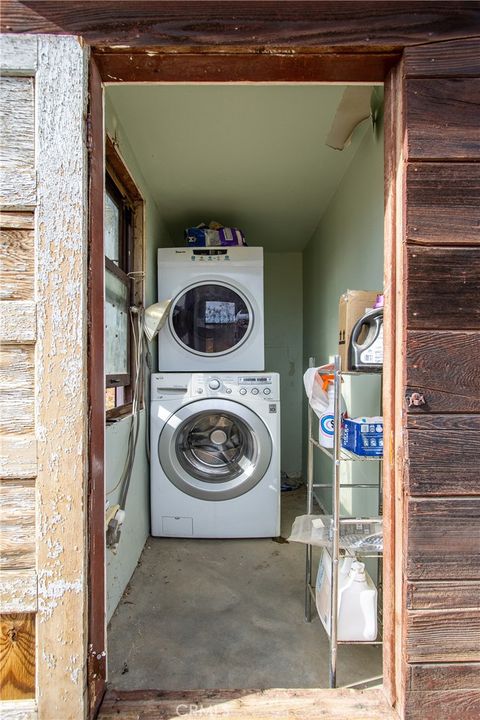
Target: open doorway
[{"x": 199, "y": 613}]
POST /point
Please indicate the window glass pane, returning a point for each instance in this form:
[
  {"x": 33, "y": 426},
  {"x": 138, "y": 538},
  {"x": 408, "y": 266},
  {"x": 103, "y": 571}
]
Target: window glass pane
[
  {"x": 112, "y": 230},
  {"x": 116, "y": 325},
  {"x": 211, "y": 319}
]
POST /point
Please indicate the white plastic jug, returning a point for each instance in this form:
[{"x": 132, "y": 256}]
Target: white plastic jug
[
  {"x": 323, "y": 584},
  {"x": 357, "y": 599},
  {"x": 357, "y": 606}
]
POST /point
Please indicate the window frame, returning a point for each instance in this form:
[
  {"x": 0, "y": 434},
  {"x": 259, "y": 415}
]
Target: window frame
[{"x": 123, "y": 191}]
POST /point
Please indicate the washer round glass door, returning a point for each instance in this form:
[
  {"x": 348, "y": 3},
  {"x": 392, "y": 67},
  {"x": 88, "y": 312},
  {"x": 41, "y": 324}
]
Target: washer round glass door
[
  {"x": 215, "y": 449},
  {"x": 211, "y": 318}
]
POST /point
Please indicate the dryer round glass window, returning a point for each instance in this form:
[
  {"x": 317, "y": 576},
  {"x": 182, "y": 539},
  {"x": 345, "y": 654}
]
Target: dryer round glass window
[
  {"x": 211, "y": 318},
  {"x": 215, "y": 449}
]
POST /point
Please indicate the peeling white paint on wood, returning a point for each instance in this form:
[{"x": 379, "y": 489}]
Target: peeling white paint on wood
[
  {"x": 18, "y": 54},
  {"x": 61, "y": 377},
  {"x": 17, "y": 142},
  {"x": 18, "y": 591},
  {"x": 17, "y": 321},
  {"x": 18, "y": 710}
]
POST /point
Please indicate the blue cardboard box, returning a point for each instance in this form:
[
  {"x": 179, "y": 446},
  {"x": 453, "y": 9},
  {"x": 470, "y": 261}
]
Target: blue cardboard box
[{"x": 363, "y": 436}]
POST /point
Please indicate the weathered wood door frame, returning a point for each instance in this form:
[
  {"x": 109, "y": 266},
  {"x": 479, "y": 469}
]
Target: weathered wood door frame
[{"x": 148, "y": 65}]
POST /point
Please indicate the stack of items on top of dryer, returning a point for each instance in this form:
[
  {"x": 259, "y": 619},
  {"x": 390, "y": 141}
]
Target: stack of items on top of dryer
[
  {"x": 213, "y": 235},
  {"x": 215, "y": 416}
]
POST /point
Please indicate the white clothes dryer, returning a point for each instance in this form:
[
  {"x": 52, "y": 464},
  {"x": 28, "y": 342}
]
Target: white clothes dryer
[
  {"x": 216, "y": 319},
  {"x": 215, "y": 455}
]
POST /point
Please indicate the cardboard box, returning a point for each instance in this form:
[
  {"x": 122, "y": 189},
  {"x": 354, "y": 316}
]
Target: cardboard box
[
  {"x": 363, "y": 436},
  {"x": 352, "y": 306}
]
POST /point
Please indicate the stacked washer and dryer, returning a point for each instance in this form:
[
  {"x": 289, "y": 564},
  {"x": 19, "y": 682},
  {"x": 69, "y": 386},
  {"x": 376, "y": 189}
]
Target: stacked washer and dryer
[{"x": 215, "y": 412}]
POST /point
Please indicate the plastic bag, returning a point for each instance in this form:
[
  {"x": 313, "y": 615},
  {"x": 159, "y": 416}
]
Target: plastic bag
[
  {"x": 318, "y": 384},
  {"x": 356, "y": 534}
]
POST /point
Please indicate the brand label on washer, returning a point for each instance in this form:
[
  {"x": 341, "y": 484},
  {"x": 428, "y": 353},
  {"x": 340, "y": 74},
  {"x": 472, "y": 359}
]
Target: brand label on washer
[{"x": 272, "y": 408}]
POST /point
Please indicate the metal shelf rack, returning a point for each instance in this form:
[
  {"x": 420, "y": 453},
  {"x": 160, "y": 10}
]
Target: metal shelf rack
[{"x": 337, "y": 455}]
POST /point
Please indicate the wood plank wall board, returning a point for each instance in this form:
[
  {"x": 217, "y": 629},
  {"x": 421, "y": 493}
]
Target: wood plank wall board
[
  {"x": 16, "y": 257},
  {"x": 451, "y": 691},
  {"x": 443, "y": 119},
  {"x": 17, "y": 656},
  {"x": 252, "y": 24},
  {"x": 443, "y": 539},
  {"x": 17, "y": 321},
  {"x": 17, "y": 529},
  {"x": 268, "y": 704},
  {"x": 18, "y": 56},
  {"x": 443, "y": 203},
  {"x": 444, "y": 461},
  {"x": 18, "y": 457},
  {"x": 446, "y": 676},
  {"x": 445, "y": 59},
  {"x": 443, "y": 366},
  {"x": 443, "y": 595},
  {"x": 443, "y": 705},
  {"x": 443, "y": 636},
  {"x": 443, "y": 288},
  {"x": 18, "y": 591},
  {"x": 17, "y": 142},
  {"x": 18, "y": 710}
]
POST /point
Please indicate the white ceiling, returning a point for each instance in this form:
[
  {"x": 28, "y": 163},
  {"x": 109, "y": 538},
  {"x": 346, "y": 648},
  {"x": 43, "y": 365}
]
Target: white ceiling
[{"x": 249, "y": 156}]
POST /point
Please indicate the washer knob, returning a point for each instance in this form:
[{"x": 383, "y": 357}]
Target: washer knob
[
  {"x": 254, "y": 391},
  {"x": 214, "y": 384},
  {"x": 267, "y": 391},
  {"x": 243, "y": 391}
]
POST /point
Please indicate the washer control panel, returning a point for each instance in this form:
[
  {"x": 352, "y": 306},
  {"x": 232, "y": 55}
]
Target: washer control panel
[{"x": 242, "y": 386}]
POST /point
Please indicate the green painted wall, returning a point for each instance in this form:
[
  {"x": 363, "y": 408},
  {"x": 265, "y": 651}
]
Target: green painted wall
[
  {"x": 283, "y": 347},
  {"x": 137, "y": 520},
  {"x": 346, "y": 252}
]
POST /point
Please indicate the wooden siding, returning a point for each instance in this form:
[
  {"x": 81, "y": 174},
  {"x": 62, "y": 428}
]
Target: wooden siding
[
  {"x": 42, "y": 376},
  {"x": 442, "y": 481},
  {"x": 18, "y": 333},
  {"x": 254, "y": 26},
  {"x": 17, "y": 148}
]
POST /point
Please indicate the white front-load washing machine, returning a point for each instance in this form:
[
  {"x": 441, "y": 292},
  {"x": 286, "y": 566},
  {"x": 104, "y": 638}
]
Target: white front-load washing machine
[
  {"x": 215, "y": 323},
  {"x": 215, "y": 455}
]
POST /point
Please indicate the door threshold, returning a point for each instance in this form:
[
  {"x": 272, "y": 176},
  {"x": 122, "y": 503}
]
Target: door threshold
[{"x": 271, "y": 704}]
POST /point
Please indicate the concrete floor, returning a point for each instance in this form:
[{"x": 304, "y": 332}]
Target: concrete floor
[{"x": 225, "y": 614}]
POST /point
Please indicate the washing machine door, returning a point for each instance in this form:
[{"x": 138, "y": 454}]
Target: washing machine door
[
  {"x": 211, "y": 318},
  {"x": 215, "y": 449}
]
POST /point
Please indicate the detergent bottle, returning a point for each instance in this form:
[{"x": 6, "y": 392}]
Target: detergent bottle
[{"x": 367, "y": 353}]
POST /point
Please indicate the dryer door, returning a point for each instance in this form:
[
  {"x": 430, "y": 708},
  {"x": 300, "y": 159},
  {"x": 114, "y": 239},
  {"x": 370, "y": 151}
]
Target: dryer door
[
  {"x": 211, "y": 318},
  {"x": 215, "y": 449}
]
